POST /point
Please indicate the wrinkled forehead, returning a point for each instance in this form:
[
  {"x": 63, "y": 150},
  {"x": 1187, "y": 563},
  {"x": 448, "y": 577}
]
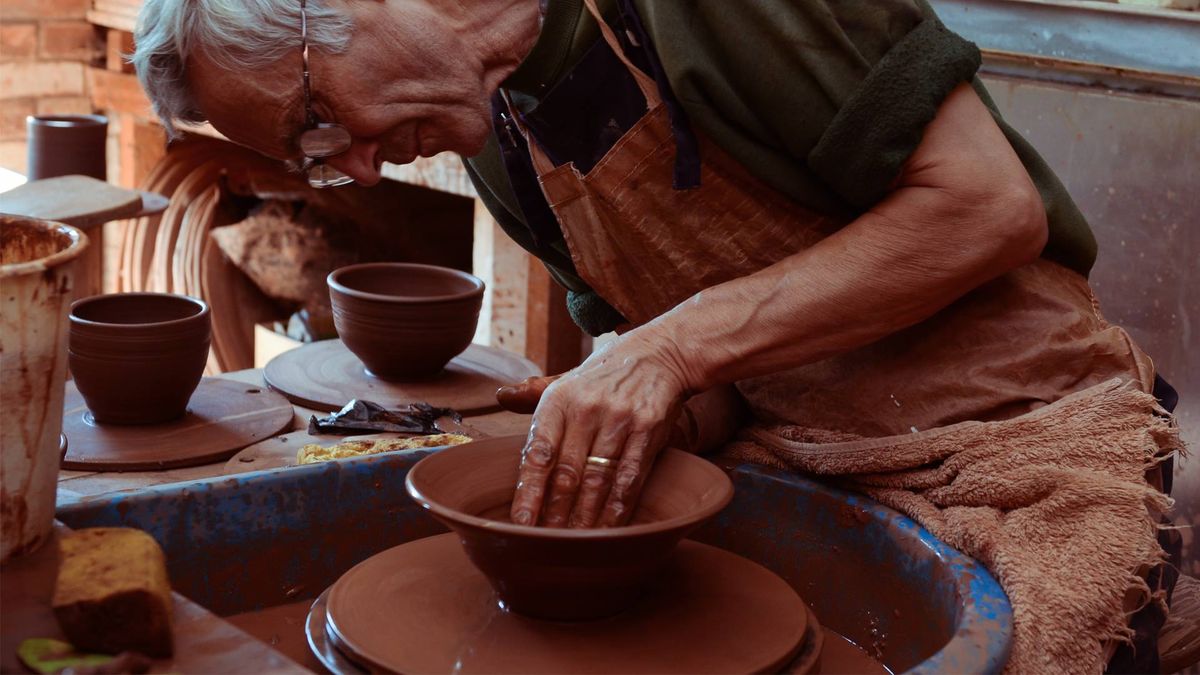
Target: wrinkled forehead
[{"x": 261, "y": 109}]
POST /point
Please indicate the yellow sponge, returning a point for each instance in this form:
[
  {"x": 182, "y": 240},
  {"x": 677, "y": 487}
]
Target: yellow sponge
[
  {"x": 313, "y": 453},
  {"x": 112, "y": 593}
]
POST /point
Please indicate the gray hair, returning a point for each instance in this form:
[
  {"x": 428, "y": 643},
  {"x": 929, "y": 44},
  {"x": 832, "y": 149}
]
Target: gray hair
[{"x": 234, "y": 34}]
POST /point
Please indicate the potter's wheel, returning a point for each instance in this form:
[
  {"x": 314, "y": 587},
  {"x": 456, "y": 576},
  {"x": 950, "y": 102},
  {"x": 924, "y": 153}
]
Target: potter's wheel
[
  {"x": 326, "y": 375},
  {"x": 223, "y": 416},
  {"x": 423, "y": 607}
]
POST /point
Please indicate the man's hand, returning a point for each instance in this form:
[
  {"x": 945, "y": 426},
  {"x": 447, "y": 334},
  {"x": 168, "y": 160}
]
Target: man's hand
[
  {"x": 619, "y": 405},
  {"x": 962, "y": 212},
  {"x": 523, "y": 396}
]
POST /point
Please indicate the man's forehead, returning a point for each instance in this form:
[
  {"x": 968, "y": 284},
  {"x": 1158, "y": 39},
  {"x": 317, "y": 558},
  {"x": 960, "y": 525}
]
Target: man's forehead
[{"x": 260, "y": 109}]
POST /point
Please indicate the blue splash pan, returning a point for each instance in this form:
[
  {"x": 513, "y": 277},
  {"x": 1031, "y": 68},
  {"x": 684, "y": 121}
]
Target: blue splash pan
[{"x": 260, "y": 540}]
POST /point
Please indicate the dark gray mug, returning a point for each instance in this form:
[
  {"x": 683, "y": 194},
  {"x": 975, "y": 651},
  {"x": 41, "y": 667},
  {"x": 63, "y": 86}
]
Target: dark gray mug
[{"x": 64, "y": 145}]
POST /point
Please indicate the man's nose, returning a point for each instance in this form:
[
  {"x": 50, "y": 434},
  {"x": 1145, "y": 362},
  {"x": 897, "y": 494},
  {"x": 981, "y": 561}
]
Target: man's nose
[{"x": 359, "y": 162}]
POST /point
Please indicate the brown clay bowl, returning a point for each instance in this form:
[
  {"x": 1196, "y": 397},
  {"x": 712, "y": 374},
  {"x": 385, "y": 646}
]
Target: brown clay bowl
[
  {"x": 556, "y": 573},
  {"x": 405, "y": 321},
  {"x": 137, "y": 357}
]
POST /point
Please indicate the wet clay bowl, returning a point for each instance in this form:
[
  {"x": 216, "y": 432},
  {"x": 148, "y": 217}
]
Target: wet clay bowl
[
  {"x": 405, "y": 321},
  {"x": 137, "y": 357},
  {"x": 557, "y": 573}
]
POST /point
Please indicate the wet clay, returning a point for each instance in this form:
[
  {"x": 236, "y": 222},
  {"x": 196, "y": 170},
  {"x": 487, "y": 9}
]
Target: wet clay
[
  {"x": 558, "y": 573},
  {"x": 405, "y": 321},
  {"x": 422, "y": 608},
  {"x": 501, "y": 513},
  {"x": 137, "y": 357},
  {"x": 325, "y": 375}
]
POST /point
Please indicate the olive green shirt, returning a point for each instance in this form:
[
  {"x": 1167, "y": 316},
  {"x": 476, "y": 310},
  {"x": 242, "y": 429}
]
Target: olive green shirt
[{"x": 824, "y": 100}]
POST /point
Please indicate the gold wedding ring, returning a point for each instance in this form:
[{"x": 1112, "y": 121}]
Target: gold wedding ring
[{"x": 601, "y": 462}]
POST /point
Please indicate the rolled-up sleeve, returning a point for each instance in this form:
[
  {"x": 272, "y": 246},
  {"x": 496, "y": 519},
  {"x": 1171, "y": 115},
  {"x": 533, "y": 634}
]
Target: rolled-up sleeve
[{"x": 868, "y": 141}]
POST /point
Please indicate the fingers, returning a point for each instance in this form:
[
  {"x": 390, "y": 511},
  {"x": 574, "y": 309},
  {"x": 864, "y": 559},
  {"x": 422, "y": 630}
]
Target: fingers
[
  {"x": 567, "y": 473},
  {"x": 630, "y": 476},
  {"x": 524, "y": 396},
  {"x": 597, "y": 478},
  {"x": 537, "y": 460}
]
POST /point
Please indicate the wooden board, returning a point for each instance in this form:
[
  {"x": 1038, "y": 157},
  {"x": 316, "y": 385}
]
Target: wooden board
[
  {"x": 280, "y": 451},
  {"x": 152, "y": 204},
  {"x": 81, "y": 201},
  {"x": 326, "y": 375},
  {"x": 204, "y": 643},
  {"x": 223, "y": 417}
]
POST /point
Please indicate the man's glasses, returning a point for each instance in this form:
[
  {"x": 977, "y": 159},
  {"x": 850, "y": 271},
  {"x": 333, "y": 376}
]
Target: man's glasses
[{"x": 319, "y": 140}]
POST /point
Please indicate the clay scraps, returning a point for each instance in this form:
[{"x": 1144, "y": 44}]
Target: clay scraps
[{"x": 367, "y": 417}]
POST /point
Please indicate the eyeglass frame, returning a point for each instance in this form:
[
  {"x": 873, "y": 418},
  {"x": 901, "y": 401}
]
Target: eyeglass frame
[{"x": 313, "y": 165}]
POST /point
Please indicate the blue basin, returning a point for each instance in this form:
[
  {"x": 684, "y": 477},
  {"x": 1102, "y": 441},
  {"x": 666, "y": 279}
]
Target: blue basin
[{"x": 258, "y": 540}]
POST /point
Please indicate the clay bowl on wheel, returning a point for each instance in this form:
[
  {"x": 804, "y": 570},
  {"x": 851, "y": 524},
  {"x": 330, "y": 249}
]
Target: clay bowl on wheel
[
  {"x": 405, "y": 321},
  {"x": 558, "y": 573},
  {"x": 137, "y": 357}
]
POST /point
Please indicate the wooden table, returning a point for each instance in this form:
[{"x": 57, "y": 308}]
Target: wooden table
[
  {"x": 75, "y": 484},
  {"x": 204, "y": 642}
]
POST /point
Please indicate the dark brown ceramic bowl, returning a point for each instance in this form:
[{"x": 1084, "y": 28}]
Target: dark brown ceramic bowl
[
  {"x": 405, "y": 321},
  {"x": 137, "y": 357},
  {"x": 556, "y": 573}
]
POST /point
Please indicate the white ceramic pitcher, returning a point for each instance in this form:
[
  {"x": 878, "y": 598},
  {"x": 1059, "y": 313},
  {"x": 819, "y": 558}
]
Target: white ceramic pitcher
[{"x": 35, "y": 292}]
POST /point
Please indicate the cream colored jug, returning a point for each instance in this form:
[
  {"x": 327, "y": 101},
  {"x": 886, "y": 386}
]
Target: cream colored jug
[{"x": 36, "y": 259}]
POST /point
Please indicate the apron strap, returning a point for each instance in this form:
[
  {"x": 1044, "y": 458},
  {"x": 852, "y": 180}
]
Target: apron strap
[
  {"x": 542, "y": 164},
  {"x": 644, "y": 82}
]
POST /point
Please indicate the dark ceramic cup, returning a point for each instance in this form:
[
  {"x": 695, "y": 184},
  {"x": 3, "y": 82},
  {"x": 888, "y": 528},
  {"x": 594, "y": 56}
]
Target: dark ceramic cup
[
  {"x": 405, "y": 321},
  {"x": 556, "y": 573},
  {"x": 137, "y": 357},
  {"x": 61, "y": 145}
]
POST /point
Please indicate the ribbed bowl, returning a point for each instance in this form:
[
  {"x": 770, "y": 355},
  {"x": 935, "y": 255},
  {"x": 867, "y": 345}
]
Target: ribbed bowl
[
  {"x": 137, "y": 357},
  {"x": 558, "y": 573},
  {"x": 405, "y": 321}
]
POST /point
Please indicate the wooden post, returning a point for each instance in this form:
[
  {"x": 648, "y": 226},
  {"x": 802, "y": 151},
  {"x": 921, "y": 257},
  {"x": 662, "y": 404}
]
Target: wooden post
[
  {"x": 552, "y": 340},
  {"x": 141, "y": 143},
  {"x": 525, "y": 310}
]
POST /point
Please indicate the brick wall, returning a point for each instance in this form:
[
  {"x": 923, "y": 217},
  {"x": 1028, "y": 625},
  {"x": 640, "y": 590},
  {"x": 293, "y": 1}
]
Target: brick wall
[{"x": 45, "y": 47}]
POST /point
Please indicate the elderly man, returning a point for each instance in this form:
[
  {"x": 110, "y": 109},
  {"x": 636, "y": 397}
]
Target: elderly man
[{"x": 808, "y": 210}]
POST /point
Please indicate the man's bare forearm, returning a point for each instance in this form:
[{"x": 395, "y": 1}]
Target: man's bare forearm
[{"x": 964, "y": 212}]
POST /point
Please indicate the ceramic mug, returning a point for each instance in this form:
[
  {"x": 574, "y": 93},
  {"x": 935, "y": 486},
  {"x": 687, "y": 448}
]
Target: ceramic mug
[
  {"x": 36, "y": 260},
  {"x": 62, "y": 145},
  {"x": 137, "y": 357},
  {"x": 405, "y": 321}
]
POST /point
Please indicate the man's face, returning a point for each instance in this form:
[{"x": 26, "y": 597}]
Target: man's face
[{"x": 408, "y": 86}]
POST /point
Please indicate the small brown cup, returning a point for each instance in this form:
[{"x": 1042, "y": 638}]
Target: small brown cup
[
  {"x": 62, "y": 145},
  {"x": 557, "y": 573},
  {"x": 137, "y": 357},
  {"x": 405, "y": 321}
]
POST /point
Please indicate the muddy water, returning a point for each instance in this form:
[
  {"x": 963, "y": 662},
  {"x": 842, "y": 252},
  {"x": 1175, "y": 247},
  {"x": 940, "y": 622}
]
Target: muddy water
[
  {"x": 840, "y": 656},
  {"x": 282, "y": 628}
]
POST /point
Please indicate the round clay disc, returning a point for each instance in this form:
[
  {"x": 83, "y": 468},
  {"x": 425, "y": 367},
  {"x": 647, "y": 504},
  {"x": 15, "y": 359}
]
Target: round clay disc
[
  {"x": 223, "y": 416},
  {"x": 326, "y": 376},
  {"x": 320, "y": 645},
  {"x": 424, "y": 608}
]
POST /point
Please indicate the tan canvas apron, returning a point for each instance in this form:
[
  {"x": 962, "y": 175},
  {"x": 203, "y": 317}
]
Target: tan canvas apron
[
  {"x": 970, "y": 375},
  {"x": 1009, "y": 347}
]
